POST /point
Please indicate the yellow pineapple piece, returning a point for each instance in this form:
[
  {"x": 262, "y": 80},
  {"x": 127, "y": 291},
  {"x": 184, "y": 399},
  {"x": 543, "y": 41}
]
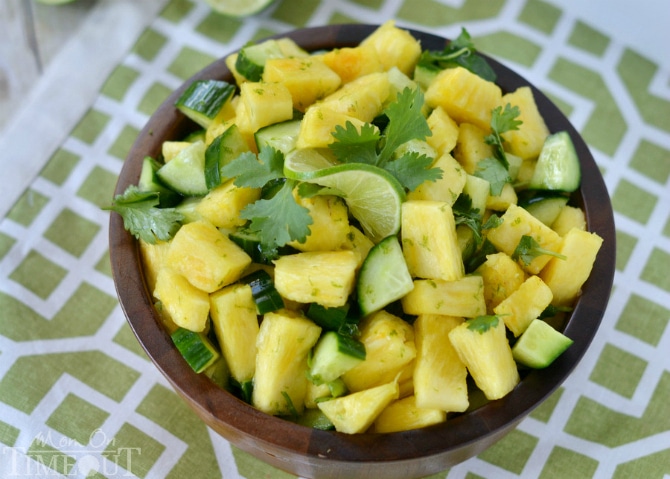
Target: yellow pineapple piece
[
  {"x": 439, "y": 375},
  {"x": 283, "y": 343},
  {"x": 289, "y": 48},
  {"x": 465, "y": 96},
  {"x": 318, "y": 125},
  {"x": 353, "y": 62},
  {"x": 389, "y": 348},
  {"x": 324, "y": 277},
  {"x": 524, "y": 305},
  {"x": 463, "y": 297},
  {"x": 330, "y": 223},
  {"x": 308, "y": 79},
  {"x": 446, "y": 189},
  {"x": 223, "y": 204},
  {"x": 517, "y": 222},
  {"x": 396, "y": 47},
  {"x": 315, "y": 393},
  {"x": 470, "y": 147},
  {"x": 154, "y": 257},
  {"x": 527, "y": 141},
  {"x": 502, "y": 201},
  {"x": 362, "y": 98},
  {"x": 429, "y": 241},
  {"x": 445, "y": 131},
  {"x": 566, "y": 276},
  {"x": 262, "y": 104},
  {"x": 206, "y": 257},
  {"x": 170, "y": 149},
  {"x": 569, "y": 217},
  {"x": 186, "y": 305},
  {"x": 487, "y": 355},
  {"x": 404, "y": 415},
  {"x": 355, "y": 413},
  {"x": 502, "y": 276},
  {"x": 357, "y": 242},
  {"x": 235, "y": 321}
]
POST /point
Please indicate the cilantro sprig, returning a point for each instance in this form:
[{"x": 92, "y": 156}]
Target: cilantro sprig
[
  {"x": 528, "y": 249},
  {"x": 142, "y": 217},
  {"x": 370, "y": 146},
  {"x": 482, "y": 324},
  {"x": 459, "y": 52},
  {"x": 495, "y": 169}
]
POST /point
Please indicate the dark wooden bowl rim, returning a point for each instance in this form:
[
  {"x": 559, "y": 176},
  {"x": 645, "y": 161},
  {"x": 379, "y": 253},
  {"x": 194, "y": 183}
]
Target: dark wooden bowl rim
[{"x": 446, "y": 444}]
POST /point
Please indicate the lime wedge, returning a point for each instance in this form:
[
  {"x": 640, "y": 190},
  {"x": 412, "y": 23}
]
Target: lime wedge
[
  {"x": 373, "y": 195},
  {"x": 238, "y": 8},
  {"x": 304, "y": 163}
]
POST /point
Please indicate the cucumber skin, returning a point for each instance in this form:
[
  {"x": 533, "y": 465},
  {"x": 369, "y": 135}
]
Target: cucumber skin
[
  {"x": 203, "y": 100},
  {"x": 195, "y": 348},
  {"x": 334, "y": 355},
  {"x": 540, "y": 345}
]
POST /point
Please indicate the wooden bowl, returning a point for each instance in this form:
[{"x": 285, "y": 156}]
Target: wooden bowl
[{"x": 314, "y": 453}]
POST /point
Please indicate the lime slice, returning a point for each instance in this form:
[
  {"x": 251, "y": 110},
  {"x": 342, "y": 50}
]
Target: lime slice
[
  {"x": 238, "y": 8},
  {"x": 373, "y": 195},
  {"x": 304, "y": 163}
]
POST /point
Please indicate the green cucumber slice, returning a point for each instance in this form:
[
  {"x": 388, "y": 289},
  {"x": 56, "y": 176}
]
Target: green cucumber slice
[
  {"x": 540, "y": 345},
  {"x": 196, "y": 349},
  {"x": 281, "y": 136},
  {"x": 557, "y": 166},
  {"x": 250, "y": 62},
  {"x": 543, "y": 205},
  {"x": 203, "y": 99},
  {"x": 334, "y": 355},
  {"x": 185, "y": 173},
  {"x": 224, "y": 148},
  {"x": 263, "y": 290},
  {"x": 149, "y": 181},
  {"x": 384, "y": 276}
]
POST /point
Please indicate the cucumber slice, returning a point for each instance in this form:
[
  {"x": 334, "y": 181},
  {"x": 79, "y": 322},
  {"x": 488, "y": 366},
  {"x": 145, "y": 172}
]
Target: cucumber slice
[
  {"x": 543, "y": 205},
  {"x": 263, "y": 290},
  {"x": 384, "y": 276},
  {"x": 334, "y": 355},
  {"x": 281, "y": 136},
  {"x": 196, "y": 349},
  {"x": 425, "y": 74},
  {"x": 185, "y": 173},
  {"x": 224, "y": 148},
  {"x": 315, "y": 419},
  {"x": 330, "y": 319},
  {"x": 203, "y": 100},
  {"x": 557, "y": 166},
  {"x": 250, "y": 62},
  {"x": 149, "y": 181},
  {"x": 539, "y": 345}
]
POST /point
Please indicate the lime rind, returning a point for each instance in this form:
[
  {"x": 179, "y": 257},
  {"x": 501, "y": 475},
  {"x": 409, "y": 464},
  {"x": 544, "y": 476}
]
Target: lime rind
[{"x": 238, "y": 8}]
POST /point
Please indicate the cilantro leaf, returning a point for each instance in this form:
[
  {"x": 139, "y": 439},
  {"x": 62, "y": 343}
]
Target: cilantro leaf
[
  {"x": 495, "y": 173},
  {"x": 352, "y": 146},
  {"x": 141, "y": 216},
  {"x": 254, "y": 172},
  {"x": 279, "y": 219},
  {"x": 459, "y": 52},
  {"x": 412, "y": 169},
  {"x": 465, "y": 214},
  {"x": 502, "y": 121},
  {"x": 482, "y": 324},
  {"x": 528, "y": 249}
]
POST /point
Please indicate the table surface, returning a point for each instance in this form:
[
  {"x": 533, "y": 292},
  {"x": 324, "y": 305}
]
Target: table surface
[{"x": 77, "y": 82}]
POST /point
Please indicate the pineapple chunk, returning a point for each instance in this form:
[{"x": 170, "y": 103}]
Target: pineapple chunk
[
  {"x": 569, "y": 217},
  {"x": 323, "y": 277},
  {"x": 318, "y": 125},
  {"x": 235, "y": 322},
  {"x": 283, "y": 343},
  {"x": 396, "y": 47},
  {"x": 154, "y": 257},
  {"x": 362, "y": 98},
  {"x": 524, "y": 305},
  {"x": 308, "y": 79},
  {"x": 223, "y": 204},
  {"x": 289, "y": 48},
  {"x": 487, "y": 355},
  {"x": 330, "y": 223},
  {"x": 470, "y": 147},
  {"x": 502, "y": 201},
  {"x": 206, "y": 257},
  {"x": 445, "y": 131},
  {"x": 353, "y": 62},
  {"x": 445, "y": 189},
  {"x": 186, "y": 305},
  {"x": 566, "y": 277},
  {"x": 355, "y": 413},
  {"x": 404, "y": 414},
  {"x": 465, "y": 96},
  {"x": 517, "y": 222},
  {"x": 502, "y": 276},
  {"x": 170, "y": 149},
  {"x": 315, "y": 393},
  {"x": 478, "y": 190},
  {"x": 389, "y": 348},
  {"x": 463, "y": 297},
  {"x": 440, "y": 377},
  {"x": 263, "y": 104},
  {"x": 527, "y": 141},
  {"x": 429, "y": 241},
  {"x": 357, "y": 242}
]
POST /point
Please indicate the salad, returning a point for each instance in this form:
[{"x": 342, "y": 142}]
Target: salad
[{"x": 363, "y": 239}]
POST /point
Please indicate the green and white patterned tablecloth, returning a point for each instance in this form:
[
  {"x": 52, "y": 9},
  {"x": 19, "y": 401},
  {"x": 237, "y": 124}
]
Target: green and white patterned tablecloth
[{"x": 78, "y": 397}]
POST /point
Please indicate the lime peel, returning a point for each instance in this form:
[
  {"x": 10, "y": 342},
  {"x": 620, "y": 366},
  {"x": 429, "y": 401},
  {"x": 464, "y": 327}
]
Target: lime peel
[{"x": 238, "y": 8}]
